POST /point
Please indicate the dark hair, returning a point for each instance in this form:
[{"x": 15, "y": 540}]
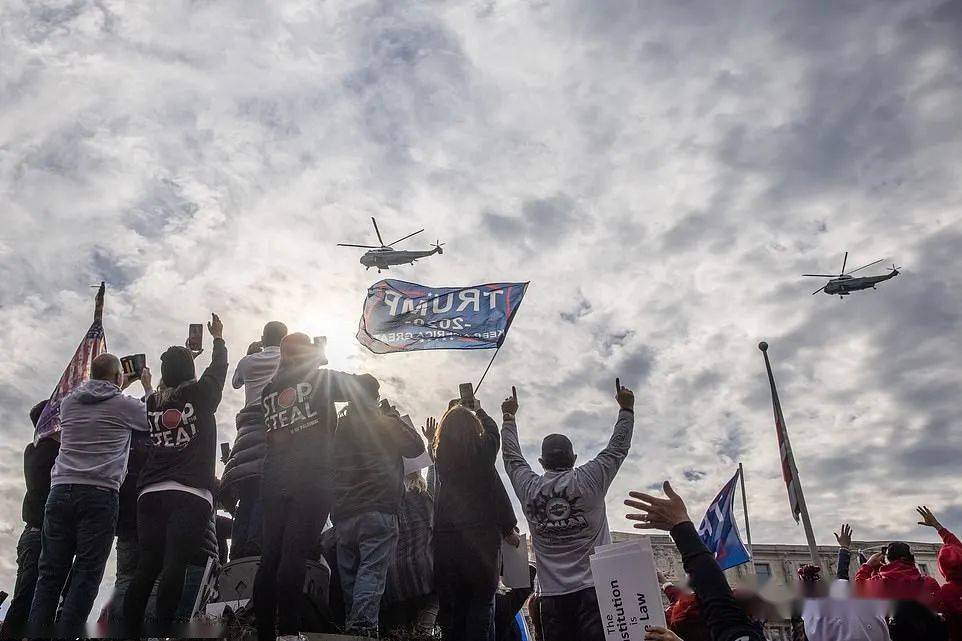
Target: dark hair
[
  {"x": 273, "y": 333},
  {"x": 36, "y": 411},
  {"x": 899, "y": 551},
  {"x": 105, "y": 367},
  {"x": 458, "y": 435}
]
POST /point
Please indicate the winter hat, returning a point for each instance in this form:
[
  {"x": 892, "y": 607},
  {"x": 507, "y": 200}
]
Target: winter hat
[
  {"x": 296, "y": 349},
  {"x": 950, "y": 562},
  {"x": 557, "y": 452},
  {"x": 177, "y": 366}
]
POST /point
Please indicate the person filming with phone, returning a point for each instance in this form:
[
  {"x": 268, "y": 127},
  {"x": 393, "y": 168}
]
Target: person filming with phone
[
  {"x": 565, "y": 508},
  {"x": 472, "y": 515},
  {"x": 176, "y": 484}
]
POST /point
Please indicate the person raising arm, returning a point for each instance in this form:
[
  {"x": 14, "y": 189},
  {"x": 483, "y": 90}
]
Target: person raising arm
[{"x": 726, "y": 620}]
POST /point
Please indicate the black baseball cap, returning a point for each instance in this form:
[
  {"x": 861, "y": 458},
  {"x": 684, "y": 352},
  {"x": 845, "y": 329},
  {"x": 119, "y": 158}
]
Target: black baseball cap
[{"x": 557, "y": 451}]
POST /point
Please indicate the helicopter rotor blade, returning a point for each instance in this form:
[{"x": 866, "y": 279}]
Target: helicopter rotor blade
[
  {"x": 819, "y": 289},
  {"x": 378, "y": 232},
  {"x": 822, "y": 275},
  {"x": 406, "y": 237},
  {"x": 361, "y": 246},
  {"x": 869, "y": 265},
  {"x": 844, "y": 261}
]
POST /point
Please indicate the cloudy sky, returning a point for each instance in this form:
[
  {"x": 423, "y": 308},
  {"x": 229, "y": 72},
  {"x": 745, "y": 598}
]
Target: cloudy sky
[{"x": 661, "y": 174}]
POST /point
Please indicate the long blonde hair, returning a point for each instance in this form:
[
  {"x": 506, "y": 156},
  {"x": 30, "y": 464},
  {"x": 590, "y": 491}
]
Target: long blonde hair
[{"x": 457, "y": 434}]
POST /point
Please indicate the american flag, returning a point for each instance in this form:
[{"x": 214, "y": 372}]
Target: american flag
[{"x": 93, "y": 344}]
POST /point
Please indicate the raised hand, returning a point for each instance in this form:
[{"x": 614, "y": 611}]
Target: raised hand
[
  {"x": 844, "y": 537},
  {"x": 655, "y": 513},
  {"x": 510, "y": 404},
  {"x": 430, "y": 429},
  {"x": 145, "y": 379},
  {"x": 215, "y": 327},
  {"x": 624, "y": 396},
  {"x": 928, "y": 519}
]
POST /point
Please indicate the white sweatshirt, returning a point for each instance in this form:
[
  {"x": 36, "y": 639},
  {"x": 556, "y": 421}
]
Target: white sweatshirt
[{"x": 566, "y": 509}]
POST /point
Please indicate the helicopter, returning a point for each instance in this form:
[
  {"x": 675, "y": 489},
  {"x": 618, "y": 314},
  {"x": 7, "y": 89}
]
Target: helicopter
[
  {"x": 844, "y": 284},
  {"x": 384, "y": 256}
]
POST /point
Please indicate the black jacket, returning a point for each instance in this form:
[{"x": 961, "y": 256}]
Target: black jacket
[
  {"x": 470, "y": 492},
  {"x": 38, "y": 460},
  {"x": 247, "y": 456},
  {"x": 127, "y": 514},
  {"x": 725, "y": 619},
  {"x": 368, "y": 461},
  {"x": 183, "y": 430},
  {"x": 300, "y": 419}
]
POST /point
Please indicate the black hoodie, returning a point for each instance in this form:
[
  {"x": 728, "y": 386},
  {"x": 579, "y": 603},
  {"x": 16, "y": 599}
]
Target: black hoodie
[
  {"x": 300, "y": 417},
  {"x": 183, "y": 431}
]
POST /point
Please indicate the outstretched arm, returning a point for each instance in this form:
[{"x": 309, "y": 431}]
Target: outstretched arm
[
  {"x": 725, "y": 619},
  {"x": 517, "y": 468},
  {"x": 491, "y": 438},
  {"x": 929, "y": 520},
  {"x": 211, "y": 383},
  {"x": 600, "y": 471},
  {"x": 844, "y": 538}
]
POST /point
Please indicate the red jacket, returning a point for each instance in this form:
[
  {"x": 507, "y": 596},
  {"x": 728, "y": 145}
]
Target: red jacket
[
  {"x": 950, "y": 594},
  {"x": 898, "y": 580}
]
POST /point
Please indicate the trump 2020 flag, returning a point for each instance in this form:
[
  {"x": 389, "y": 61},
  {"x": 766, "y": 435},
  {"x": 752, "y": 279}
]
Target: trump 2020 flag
[
  {"x": 720, "y": 532},
  {"x": 401, "y": 317},
  {"x": 93, "y": 344}
]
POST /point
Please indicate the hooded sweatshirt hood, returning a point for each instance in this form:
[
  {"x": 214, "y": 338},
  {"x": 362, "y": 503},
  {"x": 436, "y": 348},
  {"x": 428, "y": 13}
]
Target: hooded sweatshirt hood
[
  {"x": 95, "y": 391},
  {"x": 177, "y": 366},
  {"x": 950, "y": 563}
]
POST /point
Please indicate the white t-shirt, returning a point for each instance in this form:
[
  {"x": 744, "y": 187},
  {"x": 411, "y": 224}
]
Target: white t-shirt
[
  {"x": 255, "y": 371},
  {"x": 845, "y": 619}
]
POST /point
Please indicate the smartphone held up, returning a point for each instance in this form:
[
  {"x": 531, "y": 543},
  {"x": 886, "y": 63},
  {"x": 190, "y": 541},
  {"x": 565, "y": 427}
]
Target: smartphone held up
[{"x": 195, "y": 337}]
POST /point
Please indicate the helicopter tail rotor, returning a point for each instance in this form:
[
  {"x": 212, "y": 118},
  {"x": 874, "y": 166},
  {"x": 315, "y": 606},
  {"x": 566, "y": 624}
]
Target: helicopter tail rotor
[{"x": 438, "y": 245}]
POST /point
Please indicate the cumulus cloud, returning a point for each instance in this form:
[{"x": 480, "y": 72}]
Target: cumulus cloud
[{"x": 662, "y": 175}]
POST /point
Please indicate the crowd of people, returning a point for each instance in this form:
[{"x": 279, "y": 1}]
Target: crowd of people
[{"x": 407, "y": 551}]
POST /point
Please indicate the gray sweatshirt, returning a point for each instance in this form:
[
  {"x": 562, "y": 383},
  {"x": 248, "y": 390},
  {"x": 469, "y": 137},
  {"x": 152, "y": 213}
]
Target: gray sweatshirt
[
  {"x": 96, "y": 421},
  {"x": 566, "y": 509}
]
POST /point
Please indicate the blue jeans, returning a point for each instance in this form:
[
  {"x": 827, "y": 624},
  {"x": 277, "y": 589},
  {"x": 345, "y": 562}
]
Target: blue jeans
[
  {"x": 28, "y": 554},
  {"x": 365, "y": 546},
  {"x": 78, "y": 530}
]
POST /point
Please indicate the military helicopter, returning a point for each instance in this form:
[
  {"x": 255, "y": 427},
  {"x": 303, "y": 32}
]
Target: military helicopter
[
  {"x": 384, "y": 256},
  {"x": 844, "y": 284}
]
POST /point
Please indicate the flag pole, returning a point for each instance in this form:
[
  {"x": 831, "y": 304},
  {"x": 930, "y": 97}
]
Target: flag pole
[
  {"x": 748, "y": 527},
  {"x": 493, "y": 356},
  {"x": 791, "y": 473}
]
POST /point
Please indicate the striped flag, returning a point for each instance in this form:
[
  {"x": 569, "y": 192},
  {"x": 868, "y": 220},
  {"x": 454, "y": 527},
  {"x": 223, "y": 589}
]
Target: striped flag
[
  {"x": 789, "y": 471},
  {"x": 93, "y": 344},
  {"x": 796, "y": 499}
]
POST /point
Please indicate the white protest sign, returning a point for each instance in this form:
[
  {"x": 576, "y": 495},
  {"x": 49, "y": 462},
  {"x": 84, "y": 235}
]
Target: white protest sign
[
  {"x": 418, "y": 462},
  {"x": 626, "y": 582},
  {"x": 514, "y": 564}
]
